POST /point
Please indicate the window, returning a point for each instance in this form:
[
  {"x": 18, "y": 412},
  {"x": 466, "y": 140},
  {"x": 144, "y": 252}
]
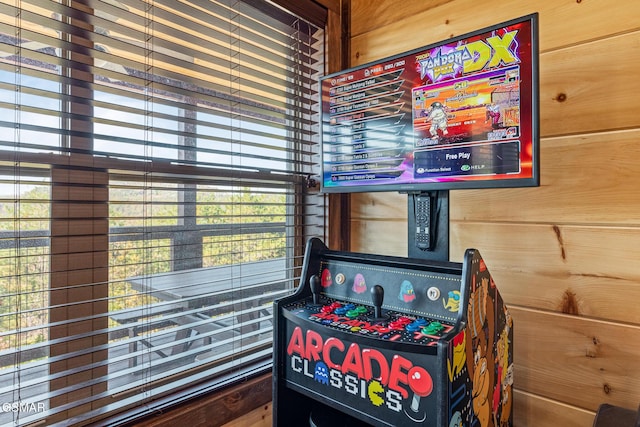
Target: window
[{"x": 156, "y": 193}]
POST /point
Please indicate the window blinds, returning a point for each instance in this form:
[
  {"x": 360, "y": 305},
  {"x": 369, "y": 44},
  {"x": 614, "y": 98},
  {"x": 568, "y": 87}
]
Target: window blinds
[{"x": 155, "y": 197}]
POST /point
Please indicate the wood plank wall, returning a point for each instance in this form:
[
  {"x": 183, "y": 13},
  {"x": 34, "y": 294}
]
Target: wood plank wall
[{"x": 565, "y": 255}]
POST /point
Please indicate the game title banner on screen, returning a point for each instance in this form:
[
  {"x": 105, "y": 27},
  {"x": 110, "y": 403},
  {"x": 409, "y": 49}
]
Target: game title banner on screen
[{"x": 457, "y": 114}]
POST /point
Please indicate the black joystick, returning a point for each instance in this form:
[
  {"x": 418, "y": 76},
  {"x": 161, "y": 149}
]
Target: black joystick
[
  {"x": 316, "y": 285},
  {"x": 377, "y": 297}
]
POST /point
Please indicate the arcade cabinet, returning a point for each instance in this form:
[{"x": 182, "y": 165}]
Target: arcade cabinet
[{"x": 390, "y": 341}]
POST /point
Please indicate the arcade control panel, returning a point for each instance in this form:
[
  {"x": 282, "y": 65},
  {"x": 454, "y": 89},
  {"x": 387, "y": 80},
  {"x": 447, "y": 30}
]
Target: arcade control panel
[
  {"x": 381, "y": 301},
  {"x": 374, "y": 340}
]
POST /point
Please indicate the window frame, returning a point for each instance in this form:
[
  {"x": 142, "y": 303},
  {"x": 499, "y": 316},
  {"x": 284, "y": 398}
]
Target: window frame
[{"x": 67, "y": 169}]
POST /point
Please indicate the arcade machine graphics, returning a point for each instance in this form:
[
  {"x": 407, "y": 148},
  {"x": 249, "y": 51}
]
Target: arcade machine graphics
[{"x": 390, "y": 341}]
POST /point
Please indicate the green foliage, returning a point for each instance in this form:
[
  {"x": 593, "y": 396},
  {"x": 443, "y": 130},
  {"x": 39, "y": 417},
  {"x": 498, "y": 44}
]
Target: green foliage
[
  {"x": 135, "y": 258},
  {"x": 24, "y": 273},
  {"x": 244, "y": 207}
]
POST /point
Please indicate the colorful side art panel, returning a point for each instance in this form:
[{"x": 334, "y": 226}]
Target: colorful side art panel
[{"x": 480, "y": 362}]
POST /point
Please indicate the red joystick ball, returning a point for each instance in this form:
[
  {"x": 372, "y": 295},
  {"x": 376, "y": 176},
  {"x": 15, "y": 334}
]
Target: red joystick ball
[{"x": 421, "y": 384}]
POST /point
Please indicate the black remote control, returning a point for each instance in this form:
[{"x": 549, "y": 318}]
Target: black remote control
[{"x": 423, "y": 222}]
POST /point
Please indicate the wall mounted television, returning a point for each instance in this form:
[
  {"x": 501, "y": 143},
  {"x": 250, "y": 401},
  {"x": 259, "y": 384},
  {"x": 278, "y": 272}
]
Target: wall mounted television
[{"x": 460, "y": 113}]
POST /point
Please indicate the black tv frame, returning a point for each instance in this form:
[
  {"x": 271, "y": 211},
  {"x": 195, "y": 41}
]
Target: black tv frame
[{"x": 422, "y": 186}]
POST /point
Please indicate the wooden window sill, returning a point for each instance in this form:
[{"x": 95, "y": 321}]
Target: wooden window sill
[{"x": 217, "y": 408}]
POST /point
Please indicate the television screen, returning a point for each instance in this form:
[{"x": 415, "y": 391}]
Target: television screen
[{"x": 462, "y": 113}]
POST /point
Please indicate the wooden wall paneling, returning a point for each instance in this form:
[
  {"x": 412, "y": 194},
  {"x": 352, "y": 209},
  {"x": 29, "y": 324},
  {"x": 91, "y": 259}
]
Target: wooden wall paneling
[
  {"x": 259, "y": 417},
  {"x": 562, "y": 23},
  {"x": 532, "y": 410},
  {"x": 379, "y": 223},
  {"x": 586, "y": 179},
  {"x": 380, "y": 237},
  {"x": 581, "y": 270},
  {"x": 387, "y": 12},
  {"x": 564, "y": 254},
  {"x": 368, "y": 206},
  {"x": 577, "y": 361},
  {"x": 589, "y": 87},
  {"x": 242, "y": 405}
]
